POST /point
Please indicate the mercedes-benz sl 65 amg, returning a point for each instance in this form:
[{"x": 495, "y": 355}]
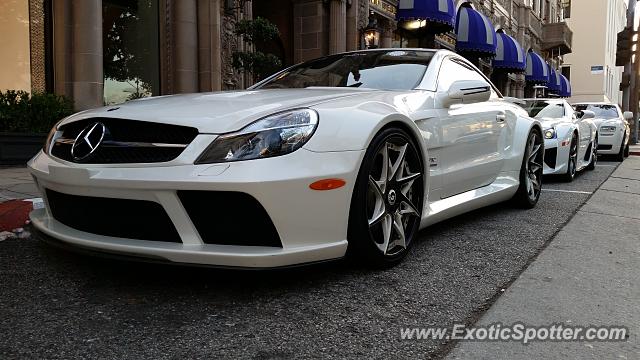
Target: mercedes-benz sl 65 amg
[{"x": 352, "y": 152}]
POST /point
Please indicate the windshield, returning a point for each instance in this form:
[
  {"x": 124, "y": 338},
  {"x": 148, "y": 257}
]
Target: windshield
[
  {"x": 602, "y": 111},
  {"x": 539, "y": 109},
  {"x": 383, "y": 70}
]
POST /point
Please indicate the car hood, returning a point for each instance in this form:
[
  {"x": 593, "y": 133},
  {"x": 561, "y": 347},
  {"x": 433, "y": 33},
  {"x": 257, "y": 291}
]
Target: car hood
[
  {"x": 599, "y": 121},
  {"x": 551, "y": 122},
  {"x": 218, "y": 112}
]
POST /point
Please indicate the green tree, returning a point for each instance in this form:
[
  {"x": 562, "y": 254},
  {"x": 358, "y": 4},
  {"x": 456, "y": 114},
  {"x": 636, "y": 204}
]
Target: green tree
[{"x": 259, "y": 30}]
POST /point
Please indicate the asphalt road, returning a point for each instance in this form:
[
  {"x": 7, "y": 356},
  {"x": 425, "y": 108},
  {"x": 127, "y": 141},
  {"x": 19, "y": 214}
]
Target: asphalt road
[{"x": 56, "y": 304}]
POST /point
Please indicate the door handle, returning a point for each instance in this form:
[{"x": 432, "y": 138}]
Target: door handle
[{"x": 501, "y": 118}]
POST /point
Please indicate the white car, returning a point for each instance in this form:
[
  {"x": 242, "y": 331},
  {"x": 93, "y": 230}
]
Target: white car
[
  {"x": 613, "y": 127},
  {"x": 570, "y": 138},
  {"x": 352, "y": 151}
]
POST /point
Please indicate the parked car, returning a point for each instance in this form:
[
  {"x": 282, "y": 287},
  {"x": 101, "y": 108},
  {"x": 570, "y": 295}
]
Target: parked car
[
  {"x": 571, "y": 139},
  {"x": 613, "y": 127},
  {"x": 352, "y": 151}
]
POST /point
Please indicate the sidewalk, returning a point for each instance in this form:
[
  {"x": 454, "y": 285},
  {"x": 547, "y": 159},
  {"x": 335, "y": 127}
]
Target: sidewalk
[
  {"x": 588, "y": 275},
  {"x": 16, "y": 183}
]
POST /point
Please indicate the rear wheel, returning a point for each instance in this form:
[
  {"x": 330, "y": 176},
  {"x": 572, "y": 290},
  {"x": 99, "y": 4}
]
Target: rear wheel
[
  {"x": 572, "y": 162},
  {"x": 386, "y": 206},
  {"x": 594, "y": 155},
  {"x": 531, "y": 172}
]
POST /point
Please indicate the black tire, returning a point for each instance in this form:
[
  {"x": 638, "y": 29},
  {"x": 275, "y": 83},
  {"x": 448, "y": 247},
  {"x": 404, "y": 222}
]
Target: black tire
[
  {"x": 372, "y": 195},
  {"x": 531, "y": 167},
  {"x": 572, "y": 162},
  {"x": 626, "y": 151},
  {"x": 620, "y": 154},
  {"x": 594, "y": 155}
]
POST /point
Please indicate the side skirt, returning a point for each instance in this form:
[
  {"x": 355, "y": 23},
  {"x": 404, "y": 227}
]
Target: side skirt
[{"x": 502, "y": 189}]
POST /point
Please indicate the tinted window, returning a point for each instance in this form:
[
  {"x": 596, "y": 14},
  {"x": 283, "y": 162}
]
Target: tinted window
[
  {"x": 601, "y": 111},
  {"x": 384, "y": 70},
  {"x": 544, "y": 109},
  {"x": 453, "y": 70}
]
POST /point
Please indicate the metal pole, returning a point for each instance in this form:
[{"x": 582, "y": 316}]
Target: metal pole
[{"x": 633, "y": 71}]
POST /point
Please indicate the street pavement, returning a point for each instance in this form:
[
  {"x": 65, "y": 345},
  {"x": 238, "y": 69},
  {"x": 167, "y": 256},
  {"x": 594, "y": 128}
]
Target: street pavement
[
  {"x": 58, "y": 304},
  {"x": 588, "y": 275}
]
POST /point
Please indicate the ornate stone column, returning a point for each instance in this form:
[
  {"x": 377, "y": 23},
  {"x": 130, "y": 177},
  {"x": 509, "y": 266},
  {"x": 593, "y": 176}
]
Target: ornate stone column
[
  {"x": 209, "y": 57},
  {"x": 337, "y": 26},
  {"x": 185, "y": 29},
  {"x": 86, "y": 54},
  {"x": 353, "y": 33}
]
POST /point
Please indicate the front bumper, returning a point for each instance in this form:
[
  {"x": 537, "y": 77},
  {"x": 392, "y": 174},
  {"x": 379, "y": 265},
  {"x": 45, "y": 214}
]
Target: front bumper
[
  {"x": 609, "y": 143},
  {"x": 312, "y": 225},
  {"x": 555, "y": 157}
]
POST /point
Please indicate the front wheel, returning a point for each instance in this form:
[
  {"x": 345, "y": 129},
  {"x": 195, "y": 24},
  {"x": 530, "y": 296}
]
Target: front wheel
[
  {"x": 531, "y": 172},
  {"x": 572, "y": 162},
  {"x": 594, "y": 155},
  {"x": 620, "y": 155},
  {"x": 386, "y": 207}
]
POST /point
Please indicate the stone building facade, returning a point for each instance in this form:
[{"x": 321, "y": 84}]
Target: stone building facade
[{"x": 108, "y": 51}]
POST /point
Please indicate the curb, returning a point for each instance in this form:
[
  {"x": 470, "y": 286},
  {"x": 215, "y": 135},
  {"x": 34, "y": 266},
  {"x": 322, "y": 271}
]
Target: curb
[{"x": 14, "y": 214}]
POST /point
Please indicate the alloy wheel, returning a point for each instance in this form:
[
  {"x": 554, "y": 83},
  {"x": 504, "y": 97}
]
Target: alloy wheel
[
  {"x": 394, "y": 196},
  {"x": 573, "y": 158},
  {"x": 533, "y": 167}
]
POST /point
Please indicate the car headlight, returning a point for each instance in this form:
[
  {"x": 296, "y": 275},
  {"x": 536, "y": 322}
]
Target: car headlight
[
  {"x": 608, "y": 129},
  {"x": 550, "y": 133},
  {"x": 274, "y": 135},
  {"x": 53, "y": 134}
]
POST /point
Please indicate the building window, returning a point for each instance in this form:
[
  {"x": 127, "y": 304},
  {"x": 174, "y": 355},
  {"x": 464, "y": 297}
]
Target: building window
[
  {"x": 566, "y": 9},
  {"x": 131, "y": 49},
  {"x": 566, "y": 71},
  {"x": 15, "y": 61}
]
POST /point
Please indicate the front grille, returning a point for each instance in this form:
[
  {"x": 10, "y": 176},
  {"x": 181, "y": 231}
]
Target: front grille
[
  {"x": 126, "y": 141},
  {"x": 122, "y": 218},
  {"x": 604, "y": 147},
  {"x": 229, "y": 218},
  {"x": 550, "y": 157}
]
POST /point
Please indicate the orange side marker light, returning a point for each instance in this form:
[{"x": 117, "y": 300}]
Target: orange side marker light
[{"x": 327, "y": 184}]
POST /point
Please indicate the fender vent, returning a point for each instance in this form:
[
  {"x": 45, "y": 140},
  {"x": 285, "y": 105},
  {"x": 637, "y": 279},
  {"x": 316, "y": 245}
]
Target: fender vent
[{"x": 550, "y": 157}]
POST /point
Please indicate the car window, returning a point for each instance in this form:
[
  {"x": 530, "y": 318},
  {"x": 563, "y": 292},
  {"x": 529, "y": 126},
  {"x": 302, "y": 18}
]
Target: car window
[
  {"x": 453, "y": 69},
  {"x": 539, "y": 109},
  {"x": 383, "y": 70},
  {"x": 602, "y": 111}
]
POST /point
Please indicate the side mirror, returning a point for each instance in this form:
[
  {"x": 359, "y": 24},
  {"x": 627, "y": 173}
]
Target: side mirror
[
  {"x": 586, "y": 114},
  {"x": 628, "y": 115},
  {"x": 467, "y": 92}
]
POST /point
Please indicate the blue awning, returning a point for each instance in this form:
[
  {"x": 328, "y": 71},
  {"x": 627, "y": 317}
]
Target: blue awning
[
  {"x": 565, "y": 89},
  {"x": 554, "y": 84},
  {"x": 509, "y": 54},
  {"x": 537, "y": 70},
  {"x": 474, "y": 32},
  {"x": 437, "y": 11}
]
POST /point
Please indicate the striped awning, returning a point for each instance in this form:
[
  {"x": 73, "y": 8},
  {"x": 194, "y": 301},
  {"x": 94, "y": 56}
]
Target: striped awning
[
  {"x": 442, "y": 12},
  {"x": 509, "y": 54},
  {"x": 537, "y": 70},
  {"x": 554, "y": 85},
  {"x": 474, "y": 32},
  {"x": 565, "y": 86}
]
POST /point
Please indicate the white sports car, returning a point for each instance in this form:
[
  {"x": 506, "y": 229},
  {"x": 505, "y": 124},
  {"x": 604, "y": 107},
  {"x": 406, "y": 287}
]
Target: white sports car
[
  {"x": 357, "y": 150},
  {"x": 570, "y": 138},
  {"x": 613, "y": 128}
]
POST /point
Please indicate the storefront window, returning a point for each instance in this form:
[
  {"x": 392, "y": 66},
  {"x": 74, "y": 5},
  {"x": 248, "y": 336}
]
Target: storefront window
[
  {"x": 15, "y": 64},
  {"x": 131, "y": 49}
]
